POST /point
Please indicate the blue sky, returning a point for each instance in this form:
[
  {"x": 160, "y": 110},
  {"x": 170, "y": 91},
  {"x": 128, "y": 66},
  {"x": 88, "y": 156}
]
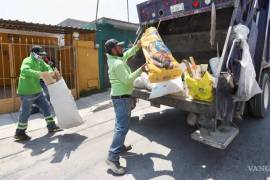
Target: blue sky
[{"x": 55, "y": 11}]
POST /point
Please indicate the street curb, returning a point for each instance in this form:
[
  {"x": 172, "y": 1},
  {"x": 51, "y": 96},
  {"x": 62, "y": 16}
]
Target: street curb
[{"x": 101, "y": 106}]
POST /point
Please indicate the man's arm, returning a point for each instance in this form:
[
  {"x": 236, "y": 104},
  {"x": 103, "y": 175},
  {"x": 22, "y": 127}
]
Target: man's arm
[
  {"x": 130, "y": 52},
  {"x": 124, "y": 76},
  {"x": 45, "y": 67},
  {"x": 27, "y": 71}
]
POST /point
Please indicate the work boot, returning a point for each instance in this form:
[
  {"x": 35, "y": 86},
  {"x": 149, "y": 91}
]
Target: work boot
[
  {"x": 125, "y": 149},
  {"x": 115, "y": 167},
  {"x": 20, "y": 135},
  {"x": 53, "y": 128}
]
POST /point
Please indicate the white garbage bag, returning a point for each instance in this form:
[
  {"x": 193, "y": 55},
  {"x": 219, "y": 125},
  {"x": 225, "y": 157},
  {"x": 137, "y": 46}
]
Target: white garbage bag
[
  {"x": 166, "y": 87},
  {"x": 142, "y": 82},
  {"x": 248, "y": 86},
  {"x": 214, "y": 62},
  {"x": 67, "y": 115}
]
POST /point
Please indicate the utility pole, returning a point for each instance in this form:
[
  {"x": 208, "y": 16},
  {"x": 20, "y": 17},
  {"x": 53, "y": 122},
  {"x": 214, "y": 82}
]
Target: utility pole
[
  {"x": 127, "y": 11},
  {"x": 97, "y": 10}
]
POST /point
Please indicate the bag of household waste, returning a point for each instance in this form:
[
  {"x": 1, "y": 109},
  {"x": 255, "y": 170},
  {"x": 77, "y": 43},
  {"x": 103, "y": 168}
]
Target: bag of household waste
[
  {"x": 161, "y": 64},
  {"x": 142, "y": 82},
  {"x": 200, "y": 89},
  {"x": 67, "y": 115},
  {"x": 166, "y": 87},
  {"x": 248, "y": 86}
]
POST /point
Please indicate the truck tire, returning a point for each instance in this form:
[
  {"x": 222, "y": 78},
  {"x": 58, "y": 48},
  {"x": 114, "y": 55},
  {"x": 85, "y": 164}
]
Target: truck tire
[{"x": 259, "y": 104}]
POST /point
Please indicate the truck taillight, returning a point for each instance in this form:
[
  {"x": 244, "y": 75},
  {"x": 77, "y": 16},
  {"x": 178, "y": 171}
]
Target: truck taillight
[{"x": 196, "y": 4}]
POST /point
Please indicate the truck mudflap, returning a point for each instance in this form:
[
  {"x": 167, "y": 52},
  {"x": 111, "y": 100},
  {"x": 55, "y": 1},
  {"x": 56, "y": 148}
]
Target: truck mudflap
[{"x": 220, "y": 138}]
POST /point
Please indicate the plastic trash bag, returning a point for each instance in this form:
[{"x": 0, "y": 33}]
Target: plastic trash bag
[
  {"x": 161, "y": 64},
  {"x": 200, "y": 89},
  {"x": 142, "y": 82},
  {"x": 166, "y": 87},
  {"x": 67, "y": 115},
  {"x": 248, "y": 86},
  {"x": 214, "y": 62}
]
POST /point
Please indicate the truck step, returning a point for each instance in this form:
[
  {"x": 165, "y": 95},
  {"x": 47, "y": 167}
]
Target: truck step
[{"x": 220, "y": 138}]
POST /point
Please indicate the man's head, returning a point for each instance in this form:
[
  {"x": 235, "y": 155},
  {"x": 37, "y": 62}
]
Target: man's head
[
  {"x": 113, "y": 47},
  {"x": 37, "y": 52}
]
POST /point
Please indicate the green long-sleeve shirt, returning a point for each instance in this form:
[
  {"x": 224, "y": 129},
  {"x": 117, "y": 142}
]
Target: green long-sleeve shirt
[
  {"x": 29, "y": 80},
  {"x": 121, "y": 77}
]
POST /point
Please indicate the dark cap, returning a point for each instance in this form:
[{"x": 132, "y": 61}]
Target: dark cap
[
  {"x": 38, "y": 50},
  {"x": 111, "y": 43}
]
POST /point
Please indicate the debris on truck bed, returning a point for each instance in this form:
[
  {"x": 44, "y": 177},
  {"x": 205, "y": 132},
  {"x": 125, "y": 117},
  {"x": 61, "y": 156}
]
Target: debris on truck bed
[{"x": 164, "y": 76}]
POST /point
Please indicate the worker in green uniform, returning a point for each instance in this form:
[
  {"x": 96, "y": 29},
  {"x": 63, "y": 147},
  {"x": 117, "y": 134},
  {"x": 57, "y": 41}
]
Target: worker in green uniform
[
  {"x": 121, "y": 79},
  {"x": 30, "y": 91}
]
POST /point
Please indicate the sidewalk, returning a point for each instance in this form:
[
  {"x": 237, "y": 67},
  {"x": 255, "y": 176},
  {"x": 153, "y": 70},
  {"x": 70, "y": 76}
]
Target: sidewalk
[{"x": 8, "y": 122}]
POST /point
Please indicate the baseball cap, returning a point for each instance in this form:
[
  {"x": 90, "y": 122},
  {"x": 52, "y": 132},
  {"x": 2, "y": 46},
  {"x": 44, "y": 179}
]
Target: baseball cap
[
  {"x": 111, "y": 43},
  {"x": 38, "y": 50}
]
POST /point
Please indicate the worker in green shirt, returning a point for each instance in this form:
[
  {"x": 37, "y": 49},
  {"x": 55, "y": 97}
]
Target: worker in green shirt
[
  {"x": 30, "y": 91},
  {"x": 121, "y": 79}
]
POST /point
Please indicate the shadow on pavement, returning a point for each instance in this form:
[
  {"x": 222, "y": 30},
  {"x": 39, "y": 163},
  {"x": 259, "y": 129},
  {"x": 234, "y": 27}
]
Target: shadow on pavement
[
  {"x": 192, "y": 160},
  {"x": 145, "y": 161},
  {"x": 93, "y": 99},
  {"x": 63, "y": 145}
]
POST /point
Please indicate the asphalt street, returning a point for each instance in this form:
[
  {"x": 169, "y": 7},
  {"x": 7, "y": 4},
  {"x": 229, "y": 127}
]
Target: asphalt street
[{"x": 162, "y": 149}]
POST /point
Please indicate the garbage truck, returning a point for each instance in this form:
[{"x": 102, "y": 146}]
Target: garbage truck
[{"x": 204, "y": 29}]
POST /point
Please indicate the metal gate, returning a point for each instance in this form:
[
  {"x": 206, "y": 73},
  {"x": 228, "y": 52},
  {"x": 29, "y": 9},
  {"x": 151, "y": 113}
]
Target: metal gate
[{"x": 11, "y": 57}]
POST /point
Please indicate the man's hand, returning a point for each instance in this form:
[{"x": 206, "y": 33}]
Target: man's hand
[
  {"x": 139, "y": 44},
  {"x": 57, "y": 74},
  {"x": 144, "y": 67},
  {"x": 45, "y": 74},
  {"x": 47, "y": 77}
]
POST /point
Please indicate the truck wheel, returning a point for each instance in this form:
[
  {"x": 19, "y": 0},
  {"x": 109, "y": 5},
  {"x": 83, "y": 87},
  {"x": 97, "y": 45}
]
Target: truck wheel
[{"x": 259, "y": 104}]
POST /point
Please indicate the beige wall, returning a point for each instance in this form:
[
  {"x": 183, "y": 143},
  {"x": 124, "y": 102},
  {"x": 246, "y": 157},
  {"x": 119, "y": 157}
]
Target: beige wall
[{"x": 87, "y": 62}]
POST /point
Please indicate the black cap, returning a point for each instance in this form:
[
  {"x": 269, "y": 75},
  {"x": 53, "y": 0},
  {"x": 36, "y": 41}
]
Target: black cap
[
  {"x": 38, "y": 50},
  {"x": 110, "y": 44}
]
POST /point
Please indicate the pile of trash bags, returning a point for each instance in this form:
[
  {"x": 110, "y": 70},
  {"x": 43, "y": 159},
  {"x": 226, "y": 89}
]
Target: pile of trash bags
[
  {"x": 167, "y": 76},
  {"x": 188, "y": 79},
  {"x": 195, "y": 82}
]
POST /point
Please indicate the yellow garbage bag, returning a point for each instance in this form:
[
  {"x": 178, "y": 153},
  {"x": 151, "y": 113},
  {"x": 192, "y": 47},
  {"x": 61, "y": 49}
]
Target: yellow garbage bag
[
  {"x": 161, "y": 64},
  {"x": 200, "y": 89}
]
